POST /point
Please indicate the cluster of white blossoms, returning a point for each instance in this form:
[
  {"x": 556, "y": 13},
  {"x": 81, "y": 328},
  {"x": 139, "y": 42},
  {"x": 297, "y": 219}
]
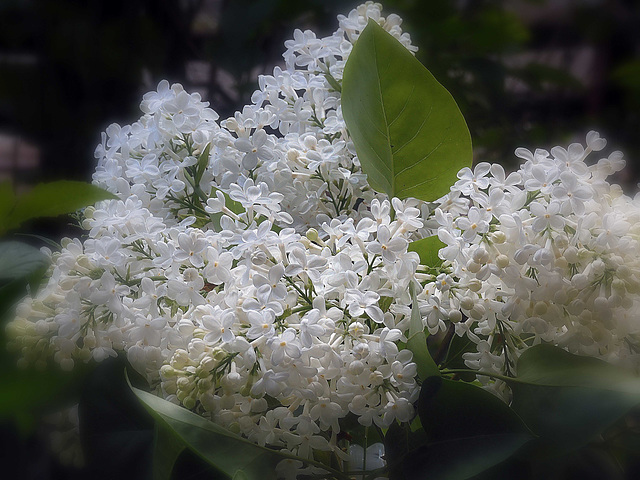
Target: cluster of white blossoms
[
  {"x": 247, "y": 271},
  {"x": 250, "y": 273},
  {"x": 549, "y": 253}
]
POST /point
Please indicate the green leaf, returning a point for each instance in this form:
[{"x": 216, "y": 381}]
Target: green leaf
[
  {"x": 240, "y": 475},
  {"x": 385, "y": 302},
  {"x": 427, "y": 249},
  {"x": 221, "y": 448},
  {"x": 166, "y": 450},
  {"x": 333, "y": 82},
  {"x": 203, "y": 162},
  {"x": 569, "y": 399},
  {"x": 552, "y": 366},
  {"x": 55, "y": 198},
  {"x": 235, "y": 207},
  {"x": 469, "y": 430},
  {"x": 53, "y": 245},
  {"x": 408, "y": 132},
  {"x": 19, "y": 260},
  {"x": 451, "y": 409},
  {"x": 417, "y": 341}
]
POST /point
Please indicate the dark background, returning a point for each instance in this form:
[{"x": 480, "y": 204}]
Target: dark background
[{"x": 525, "y": 73}]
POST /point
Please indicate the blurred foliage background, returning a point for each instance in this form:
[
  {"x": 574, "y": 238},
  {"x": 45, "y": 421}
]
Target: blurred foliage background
[
  {"x": 525, "y": 72},
  {"x": 534, "y": 73}
]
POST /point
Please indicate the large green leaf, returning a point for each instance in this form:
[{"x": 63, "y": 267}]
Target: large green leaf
[
  {"x": 231, "y": 454},
  {"x": 53, "y": 199},
  {"x": 19, "y": 260},
  {"x": 546, "y": 365},
  {"x": 417, "y": 341},
  {"x": 569, "y": 399},
  {"x": 408, "y": 132},
  {"x": 469, "y": 430}
]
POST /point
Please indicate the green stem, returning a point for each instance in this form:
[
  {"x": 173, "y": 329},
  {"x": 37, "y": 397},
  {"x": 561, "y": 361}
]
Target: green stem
[
  {"x": 196, "y": 187},
  {"x": 298, "y": 289},
  {"x": 505, "y": 348}
]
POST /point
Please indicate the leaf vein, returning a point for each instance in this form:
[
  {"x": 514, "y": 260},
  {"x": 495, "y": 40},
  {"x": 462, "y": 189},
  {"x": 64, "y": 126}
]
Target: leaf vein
[
  {"x": 409, "y": 167},
  {"x": 404, "y": 107},
  {"x": 417, "y": 132}
]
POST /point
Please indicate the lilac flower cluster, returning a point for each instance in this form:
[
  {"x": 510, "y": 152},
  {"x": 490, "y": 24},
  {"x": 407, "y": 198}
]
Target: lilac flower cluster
[{"x": 250, "y": 273}]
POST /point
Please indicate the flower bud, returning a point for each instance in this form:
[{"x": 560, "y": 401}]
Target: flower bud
[
  {"x": 356, "y": 329},
  {"x": 179, "y": 359},
  {"x": 477, "y": 312},
  {"x": 502, "y": 261},
  {"x": 189, "y": 402},
  {"x": 580, "y": 281},
  {"x": 467, "y": 303},
  {"x": 376, "y": 378},
  {"x": 312, "y": 234},
  {"x": 356, "y": 367},
  {"x": 598, "y": 267},
  {"x": 454, "y": 316},
  {"x": 499, "y": 237},
  {"x": 473, "y": 267},
  {"x": 571, "y": 254},
  {"x": 480, "y": 256},
  {"x": 600, "y": 304},
  {"x": 258, "y": 258},
  {"x": 170, "y": 387},
  {"x": 540, "y": 308},
  {"x": 475, "y": 285},
  {"x": 207, "y": 364},
  {"x": 618, "y": 286}
]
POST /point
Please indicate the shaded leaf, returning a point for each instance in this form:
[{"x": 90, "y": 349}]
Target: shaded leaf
[
  {"x": 166, "y": 450},
  {"x": 19, "y": 260},
  {"x": 396, "y": 448},
  {"x": 226, "y": 451},
  {"x": 55, "y": 198},
  {"x": 52, "y": 244},
  {"x": 409, "y": 134},
  {"x": 569, "y": 399},
  {"x": 547, "y": 365},
  {"x": 240, "y": 475},
  {"x": 463, "y": 458},
  {"x": 469, "y": 430}
]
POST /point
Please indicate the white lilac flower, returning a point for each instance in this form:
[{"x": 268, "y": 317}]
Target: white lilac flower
[{"x": 389, "y": 248}]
